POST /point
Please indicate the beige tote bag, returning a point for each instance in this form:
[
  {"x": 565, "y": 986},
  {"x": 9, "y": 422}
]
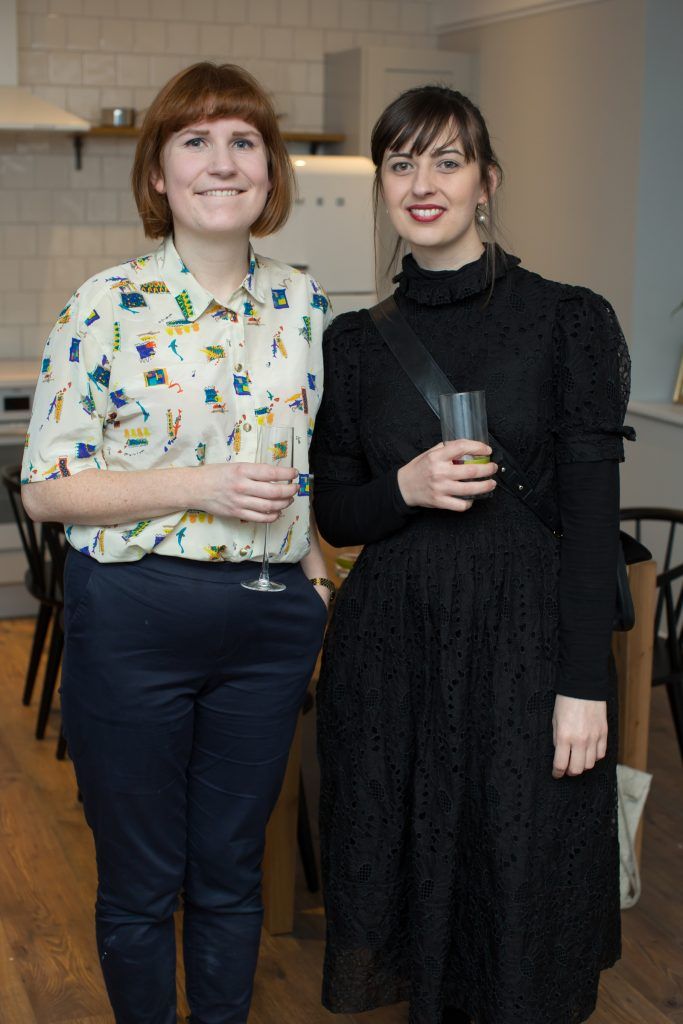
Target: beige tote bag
[{"x": 633, "y": 787}]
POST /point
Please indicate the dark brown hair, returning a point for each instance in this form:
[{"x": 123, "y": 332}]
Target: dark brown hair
[
  {"x": 417, "y": 118},
  {"x": 207, "y": 92}
]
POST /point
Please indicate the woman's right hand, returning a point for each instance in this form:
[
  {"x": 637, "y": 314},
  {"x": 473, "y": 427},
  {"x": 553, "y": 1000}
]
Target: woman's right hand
[
  {"x": 246, "y": 490},
  {"x": 437, "y": 479}
]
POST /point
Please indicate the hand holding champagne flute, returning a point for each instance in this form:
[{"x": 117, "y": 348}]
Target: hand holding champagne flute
[{"x": 274, "y": 449}]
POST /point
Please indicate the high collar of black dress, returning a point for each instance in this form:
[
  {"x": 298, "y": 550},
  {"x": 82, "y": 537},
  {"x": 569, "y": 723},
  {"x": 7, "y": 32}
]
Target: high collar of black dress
[{"x": 436, "y": 287}]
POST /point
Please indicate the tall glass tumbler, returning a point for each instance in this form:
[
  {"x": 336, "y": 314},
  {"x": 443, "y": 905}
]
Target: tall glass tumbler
[{"x": 463, "y": 415}]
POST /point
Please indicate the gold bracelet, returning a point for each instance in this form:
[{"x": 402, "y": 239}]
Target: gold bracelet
[{"x": 322, "y": 581}]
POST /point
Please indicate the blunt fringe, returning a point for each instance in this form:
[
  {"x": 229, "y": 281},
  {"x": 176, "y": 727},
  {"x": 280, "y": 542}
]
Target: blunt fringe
[
  {"x": 414, "y": 121},
  {"x": 207, "y": 92}
]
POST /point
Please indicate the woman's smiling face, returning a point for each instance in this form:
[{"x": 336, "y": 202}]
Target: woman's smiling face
[
  {"x": 215, "y": 177},
  {"x": 431, "y": 199}
]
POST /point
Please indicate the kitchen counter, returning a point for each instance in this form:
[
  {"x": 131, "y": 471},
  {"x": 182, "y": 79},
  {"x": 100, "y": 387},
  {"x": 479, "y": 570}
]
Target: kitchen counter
[{"x": 18, "y": 372}]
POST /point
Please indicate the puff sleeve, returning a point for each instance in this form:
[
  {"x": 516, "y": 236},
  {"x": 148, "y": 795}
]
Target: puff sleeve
[
  {"x": 351, "y": 506},
  {"x": 593, "y": 388},
  {"x": 593, "y": 379},
  {"x": 71, "y": 398}
]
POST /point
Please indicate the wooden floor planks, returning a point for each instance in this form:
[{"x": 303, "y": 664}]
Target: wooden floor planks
[
  {"x": 49, "y": 970},
  {"x": 14, "y": 1001}
]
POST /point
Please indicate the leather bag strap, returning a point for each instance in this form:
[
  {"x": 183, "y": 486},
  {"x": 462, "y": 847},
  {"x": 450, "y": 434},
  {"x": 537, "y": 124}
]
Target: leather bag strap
[
  {"x": 431, "y": 381},
  {"x": 418, "y": 363}
]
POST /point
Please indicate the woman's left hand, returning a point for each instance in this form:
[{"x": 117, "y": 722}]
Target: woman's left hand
[{"x": 579, "y": 734}]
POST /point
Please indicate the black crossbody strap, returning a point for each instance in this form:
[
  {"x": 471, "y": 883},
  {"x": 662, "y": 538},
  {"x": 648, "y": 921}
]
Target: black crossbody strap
[
  {"x": 431, "y": 381},
  {"x": 419, "y": 364}
]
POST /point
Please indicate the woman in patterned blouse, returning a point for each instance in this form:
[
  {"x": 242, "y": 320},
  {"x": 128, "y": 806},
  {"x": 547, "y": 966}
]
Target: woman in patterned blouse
[{"x": 180, "y": 688}]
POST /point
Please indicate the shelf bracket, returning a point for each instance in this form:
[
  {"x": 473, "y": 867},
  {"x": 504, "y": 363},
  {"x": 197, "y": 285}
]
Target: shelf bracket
[{"x": 78, "y": 151}]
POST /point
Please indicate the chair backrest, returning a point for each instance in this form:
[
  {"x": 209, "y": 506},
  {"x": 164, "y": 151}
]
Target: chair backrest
[
  {"x": 666, "y": 542},
  {"x": 43, "y": 544}
]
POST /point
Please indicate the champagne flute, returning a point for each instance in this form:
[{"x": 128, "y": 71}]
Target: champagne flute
[{"x": 274, "y": 448}]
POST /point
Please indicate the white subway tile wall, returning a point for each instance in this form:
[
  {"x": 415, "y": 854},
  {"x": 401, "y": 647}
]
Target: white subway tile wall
[{"x": 59, "y": 225}]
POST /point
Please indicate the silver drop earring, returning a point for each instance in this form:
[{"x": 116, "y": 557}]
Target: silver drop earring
[{"x": 481, "y": 213}]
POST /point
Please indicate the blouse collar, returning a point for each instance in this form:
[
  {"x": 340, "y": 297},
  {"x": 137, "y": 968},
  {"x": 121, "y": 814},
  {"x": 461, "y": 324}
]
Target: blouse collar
[
  {"x": 197, "y": 298},
  {"x": 437, "y": 287}
]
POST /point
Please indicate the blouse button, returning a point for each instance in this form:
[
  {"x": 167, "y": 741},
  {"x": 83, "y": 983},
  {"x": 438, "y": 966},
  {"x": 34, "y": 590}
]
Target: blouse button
[
  {"x": 238, "y": 367},
  {"x": 247, "y": 427}
]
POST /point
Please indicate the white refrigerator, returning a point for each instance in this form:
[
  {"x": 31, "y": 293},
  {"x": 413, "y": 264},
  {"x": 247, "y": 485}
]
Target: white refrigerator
[{"x": 330, "y": 232}]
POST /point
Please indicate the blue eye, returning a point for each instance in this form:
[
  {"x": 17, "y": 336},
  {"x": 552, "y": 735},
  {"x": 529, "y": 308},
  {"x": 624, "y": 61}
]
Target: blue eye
[
  {"x": 194, "y": 143},
  {"x": 243, "y": 144}
]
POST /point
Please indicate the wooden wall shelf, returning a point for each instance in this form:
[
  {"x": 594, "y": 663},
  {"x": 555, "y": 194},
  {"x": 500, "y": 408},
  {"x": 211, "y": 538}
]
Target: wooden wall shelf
[{"x": 314, "y": 139}]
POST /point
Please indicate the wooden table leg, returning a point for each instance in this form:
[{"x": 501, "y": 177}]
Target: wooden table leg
[
  {"x": 279, "y": 862},
  {"x": 633, "y": 656}
]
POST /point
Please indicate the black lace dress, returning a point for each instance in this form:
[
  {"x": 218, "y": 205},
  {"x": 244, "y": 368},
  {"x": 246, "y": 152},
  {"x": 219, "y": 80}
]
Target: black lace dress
[{"x": 457, "y": 871}]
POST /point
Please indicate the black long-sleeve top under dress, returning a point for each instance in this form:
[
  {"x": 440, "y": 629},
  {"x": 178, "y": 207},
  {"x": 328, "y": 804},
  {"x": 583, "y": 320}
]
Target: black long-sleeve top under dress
[{"x": 457, "y": 871}]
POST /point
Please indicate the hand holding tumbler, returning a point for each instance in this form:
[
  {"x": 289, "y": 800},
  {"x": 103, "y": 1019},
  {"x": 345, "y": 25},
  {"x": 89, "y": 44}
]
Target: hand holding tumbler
[{"x": 463, "y": 415}]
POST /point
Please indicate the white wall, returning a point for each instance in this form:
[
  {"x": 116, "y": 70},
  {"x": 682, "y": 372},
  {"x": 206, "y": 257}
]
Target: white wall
[
  {"x": 584, "y": 105},
  {"x": 8, "y": 49},
  {"x": 657, "y": 337},
  {"x": 87, "y": 54},
  {"x": 651, "y": 475},
  {"x": 456, "y": 13},
  {"x": 59, "y": 225},
  {"x": 561, "y": 93}
]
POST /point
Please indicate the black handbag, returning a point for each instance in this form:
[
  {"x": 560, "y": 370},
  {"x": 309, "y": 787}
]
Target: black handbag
[{"x": 431, "y": 381}]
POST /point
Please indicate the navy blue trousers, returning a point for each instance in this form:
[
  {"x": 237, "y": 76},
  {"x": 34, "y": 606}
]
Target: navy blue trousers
[{"x": 180, "y": 695}]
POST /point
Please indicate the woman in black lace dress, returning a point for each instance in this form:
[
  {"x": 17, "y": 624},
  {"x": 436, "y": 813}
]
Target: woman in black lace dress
[{"x": 468, "y": 803}]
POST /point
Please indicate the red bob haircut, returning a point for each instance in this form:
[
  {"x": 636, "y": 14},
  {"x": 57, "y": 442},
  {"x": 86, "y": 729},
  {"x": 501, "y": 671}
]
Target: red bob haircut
[{"x": 207, "y": 92}]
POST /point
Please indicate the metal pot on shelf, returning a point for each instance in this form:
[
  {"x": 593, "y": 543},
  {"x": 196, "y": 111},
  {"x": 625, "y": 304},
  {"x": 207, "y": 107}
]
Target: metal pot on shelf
[{"x": 117, "y": 117}]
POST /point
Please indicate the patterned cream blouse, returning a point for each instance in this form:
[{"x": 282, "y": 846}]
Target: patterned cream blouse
[{"x": 145, "y": 370}]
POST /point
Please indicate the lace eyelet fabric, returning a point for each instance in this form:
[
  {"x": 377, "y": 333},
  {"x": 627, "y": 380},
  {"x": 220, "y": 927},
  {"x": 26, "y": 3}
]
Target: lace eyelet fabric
[{"x": 458, "y": 872}]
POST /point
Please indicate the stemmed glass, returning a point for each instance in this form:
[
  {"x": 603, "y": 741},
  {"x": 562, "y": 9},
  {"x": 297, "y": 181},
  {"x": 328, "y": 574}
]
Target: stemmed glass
[{"x": 274, "y": 448}]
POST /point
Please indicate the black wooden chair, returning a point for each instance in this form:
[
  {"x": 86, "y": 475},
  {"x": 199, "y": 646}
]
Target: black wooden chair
[
  {"x": 44, "y": 547},
  {"x": 667, "y": 663}
]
